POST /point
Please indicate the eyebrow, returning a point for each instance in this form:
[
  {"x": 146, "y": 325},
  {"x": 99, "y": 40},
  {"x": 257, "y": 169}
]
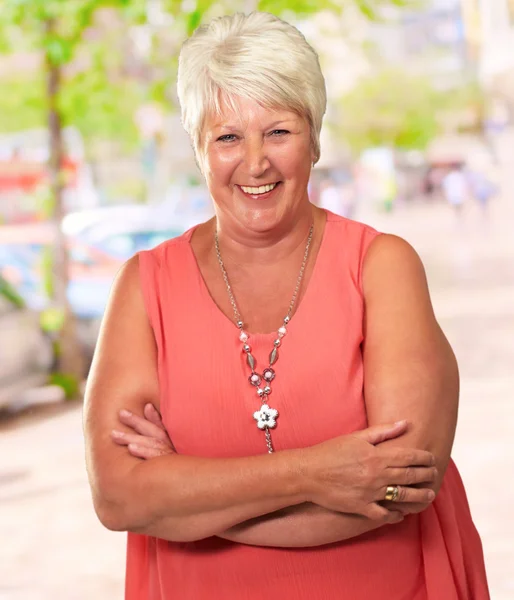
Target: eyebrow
[{"x": 234, "y": 126}]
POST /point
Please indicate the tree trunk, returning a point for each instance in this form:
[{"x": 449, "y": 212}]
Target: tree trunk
[{"x": 70, "y": 359}]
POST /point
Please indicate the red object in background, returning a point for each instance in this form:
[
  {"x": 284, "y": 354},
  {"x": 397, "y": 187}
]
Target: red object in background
[{"x": 24, "y": 175}]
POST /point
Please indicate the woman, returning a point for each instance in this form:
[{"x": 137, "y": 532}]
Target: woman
[{"x": 308, "y": 396}]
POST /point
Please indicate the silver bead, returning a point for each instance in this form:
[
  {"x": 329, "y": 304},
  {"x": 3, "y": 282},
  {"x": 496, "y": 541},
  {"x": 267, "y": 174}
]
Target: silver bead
[
  {"x": 276, "y": 343},
  {"x": 267, "y": 390},
  {"x": 273, "y": 357},
  {"x": 240, "y": 324},
  {"x": 247, "y": 348},
  {"x": 260, "y": 392},
  {"x": 286, "y": 320}
]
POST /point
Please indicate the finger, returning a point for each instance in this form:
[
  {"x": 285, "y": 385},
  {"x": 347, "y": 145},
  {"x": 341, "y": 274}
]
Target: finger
[
  {"x": 380, "y": 433},
  {"x": 120, "y": 437},
  {"x": 410, "y": 494},
  {"x": 153, "y": 415},
  {"x": 378, "y": 513},
  {"x": 396, "y": 516},
  {"x": 143, "y": 451},
  {"x": 124, "y": 439},
  {"x": 411, "y": 475},
  {"x": 142, "y": 426},
  {"x": 406, "y": 508},
  {"x": 410, "y": 457},
  {"x": 401, "y": 507}
]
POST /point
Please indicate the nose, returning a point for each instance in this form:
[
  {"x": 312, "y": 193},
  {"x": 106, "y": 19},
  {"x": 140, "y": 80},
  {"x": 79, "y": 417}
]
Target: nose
[{"x": 256, "y": 157}]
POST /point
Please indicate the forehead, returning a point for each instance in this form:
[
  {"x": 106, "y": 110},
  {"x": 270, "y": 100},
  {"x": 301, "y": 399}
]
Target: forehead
[{"x": 244, "y": 112}]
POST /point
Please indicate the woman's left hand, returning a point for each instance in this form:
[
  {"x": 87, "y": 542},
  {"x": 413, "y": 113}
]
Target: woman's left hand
[{"x": 149, "y": 438}]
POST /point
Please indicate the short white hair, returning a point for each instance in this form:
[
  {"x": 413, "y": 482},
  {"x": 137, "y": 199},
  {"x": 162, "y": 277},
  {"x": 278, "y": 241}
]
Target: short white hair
[{"x": 256, "y": 56}]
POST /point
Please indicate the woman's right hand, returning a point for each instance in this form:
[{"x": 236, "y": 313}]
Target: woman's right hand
[{"x": 351, "y": 473}]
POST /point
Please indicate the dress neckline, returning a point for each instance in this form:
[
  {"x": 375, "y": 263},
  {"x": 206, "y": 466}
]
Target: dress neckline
[{"x": 312, "y": 286}]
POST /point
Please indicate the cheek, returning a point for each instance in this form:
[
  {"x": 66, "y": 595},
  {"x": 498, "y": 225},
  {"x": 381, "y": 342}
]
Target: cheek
[
  {"x": 219, "y": 166},
  {"x": 296, "y": 165}
]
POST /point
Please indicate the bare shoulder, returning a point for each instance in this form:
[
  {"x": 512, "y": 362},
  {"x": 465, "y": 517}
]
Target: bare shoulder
[
  {"x": 391, "y": 265},
  {"x": 128, "y": 275},
  {"x": 391, "y": 252},
  {"x": 126, "y": 295}
]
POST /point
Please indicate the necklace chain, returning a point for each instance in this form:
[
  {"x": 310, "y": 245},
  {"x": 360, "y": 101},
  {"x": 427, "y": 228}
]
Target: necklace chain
[
  {"x": 266, "y": 417},
  {"x": 237, "y": 314}
]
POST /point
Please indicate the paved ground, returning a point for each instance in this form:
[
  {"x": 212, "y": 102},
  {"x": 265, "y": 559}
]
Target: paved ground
[{"x": 54, "y": 548}]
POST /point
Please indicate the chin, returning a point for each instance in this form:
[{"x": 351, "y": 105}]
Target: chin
[{"x": 263, "y": 219}]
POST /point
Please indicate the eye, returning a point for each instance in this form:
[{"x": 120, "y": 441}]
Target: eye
[
  {"x": 279, "y": 132},
  {"x": 229, "y": 137}
]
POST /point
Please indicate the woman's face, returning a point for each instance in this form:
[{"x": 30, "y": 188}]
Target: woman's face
[{"x": 257, "y": 164}]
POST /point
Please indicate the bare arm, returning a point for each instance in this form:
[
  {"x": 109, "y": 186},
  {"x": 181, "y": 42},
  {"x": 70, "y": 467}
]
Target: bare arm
[
  {"x": 409, "y": 366},
  {"x": 303, "y": 526}
]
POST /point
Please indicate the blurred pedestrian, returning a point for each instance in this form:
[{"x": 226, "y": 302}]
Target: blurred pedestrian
[
  {"x": 317, "y": 490},
  {"x": 481, "y": 187},
  {"x": 455, "y": 188}
]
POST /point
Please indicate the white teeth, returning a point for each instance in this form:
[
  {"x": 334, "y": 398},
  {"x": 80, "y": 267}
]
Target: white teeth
[{"x": 258, "y": 190}]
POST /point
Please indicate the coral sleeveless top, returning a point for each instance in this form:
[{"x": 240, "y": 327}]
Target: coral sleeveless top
[{"x": 207, "y": 408}]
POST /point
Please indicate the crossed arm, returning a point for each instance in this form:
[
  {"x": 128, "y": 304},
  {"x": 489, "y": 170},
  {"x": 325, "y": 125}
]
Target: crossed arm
[{"x": 410, "y": 373}]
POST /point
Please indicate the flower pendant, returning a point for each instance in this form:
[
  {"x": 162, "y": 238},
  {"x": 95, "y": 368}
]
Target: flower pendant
[{"x": 266, "y": 417}]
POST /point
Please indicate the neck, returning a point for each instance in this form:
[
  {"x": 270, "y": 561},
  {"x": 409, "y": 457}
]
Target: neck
[{"x": 240, "y": 245}]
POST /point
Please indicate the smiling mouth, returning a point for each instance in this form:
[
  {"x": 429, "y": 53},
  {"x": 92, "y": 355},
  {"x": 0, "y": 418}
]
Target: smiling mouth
[{"x": 257, "y": 191}]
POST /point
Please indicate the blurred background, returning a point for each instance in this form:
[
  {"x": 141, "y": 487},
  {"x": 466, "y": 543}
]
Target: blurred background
[{"x": 418, "y": 140}]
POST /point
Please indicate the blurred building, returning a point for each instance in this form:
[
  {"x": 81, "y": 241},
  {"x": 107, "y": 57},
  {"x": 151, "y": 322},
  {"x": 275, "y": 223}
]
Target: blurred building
[
  {"x": 429, "y": 39},
  {"x": 489, "y": 29}
]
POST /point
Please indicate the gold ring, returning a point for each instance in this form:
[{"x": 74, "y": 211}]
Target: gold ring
[{"x": 391, "y": 493}]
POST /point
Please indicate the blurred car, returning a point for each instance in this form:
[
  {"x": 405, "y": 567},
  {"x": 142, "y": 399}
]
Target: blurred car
[
  {"x": 91, "y": 272},
  {"x": 15, "y": 261},
  {"x": 125, "y": 241},
  {"x": 96, "y": 253},
  {"x": 25, "y": 351},
  {"x": 79, "y": 222}
]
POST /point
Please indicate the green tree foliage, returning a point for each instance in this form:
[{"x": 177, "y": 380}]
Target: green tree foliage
[
  {"x": 391, "y": 108},
  {"x": 96, "y": 93},
  {"x": 21, "y": 103}
]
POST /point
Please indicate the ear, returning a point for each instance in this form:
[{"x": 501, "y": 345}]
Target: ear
[{"x": 314, "y": 157}]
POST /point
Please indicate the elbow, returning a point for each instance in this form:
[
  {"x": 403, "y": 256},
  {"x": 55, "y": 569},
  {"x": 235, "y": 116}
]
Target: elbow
[
  {"x": 116, "y": 515},
  {"x": 111, "y": 515},
  {"x": 111, "y": 521},
  {"x": 115, "y": 501},
  {"x": 113, "y": 507}
]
